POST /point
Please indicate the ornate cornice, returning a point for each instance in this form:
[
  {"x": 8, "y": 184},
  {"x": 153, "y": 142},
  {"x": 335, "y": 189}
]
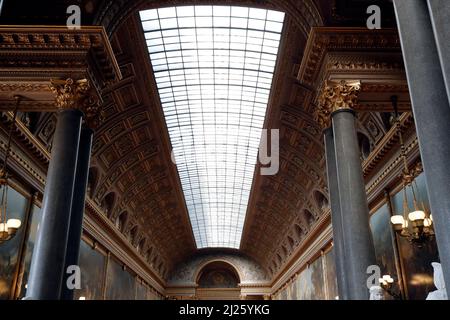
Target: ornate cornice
[
  {"x": 336, "y": 96},
  {"x": 386, "y": 144},
  {"x": 323, "y": 40},
  {"x": 31, "y": 56}
]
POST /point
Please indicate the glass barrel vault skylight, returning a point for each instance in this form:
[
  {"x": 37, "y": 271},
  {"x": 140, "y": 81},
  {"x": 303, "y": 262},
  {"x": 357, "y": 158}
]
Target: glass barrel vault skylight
[{"x": 213, "y": 67}]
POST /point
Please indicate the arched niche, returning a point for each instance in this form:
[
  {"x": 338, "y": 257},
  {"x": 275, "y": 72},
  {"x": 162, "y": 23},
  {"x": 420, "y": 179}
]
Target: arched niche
[
  {"x": 154, "y": 260},
  {"x": 218, "y": 274},
  {"x": 299, "y": 232},
  {"x": 132, "y": 234},
  {"x": 291, "y": 242},
  {"x": 141, "y": 245},
  {"x": 108, "y": 203},
  {"x": 280, "y": 260},
  {"x": 92, "y": 181},
  {"x": 321, "y": 201},
  {"x": 285, "y": 251},
  {"x": 309, "y": 217},
  {"x": 149, "y": 254},
  {"x": 274, "y": 264},
  {"x": 121, "y": 221},
  {"x": 160, "y": 265}
]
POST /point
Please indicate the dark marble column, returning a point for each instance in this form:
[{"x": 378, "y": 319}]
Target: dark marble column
[
  {"x": 78, "y": 204},
  {"x": 47, "y": 266},
  {"x": 439, "y": 13},
  {"x": 336, "y": 214},
  {"x": 431, "y": 110},
  {"x": 357, "y": 237}
]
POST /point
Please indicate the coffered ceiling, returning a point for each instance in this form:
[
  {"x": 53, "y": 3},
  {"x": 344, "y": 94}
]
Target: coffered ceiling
[{"x": 132, "y": 171}]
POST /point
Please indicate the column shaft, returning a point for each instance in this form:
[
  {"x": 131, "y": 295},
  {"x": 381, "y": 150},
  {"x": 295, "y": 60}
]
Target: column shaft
[
  {"x": 47, "y": 266},
  {"x": 359, "y": 250},
  {"x": 439, "y": 12},
  {"x": 336, "y": 214},
  {"x": 431, "y": 110},
  {"x": 78, "y": 205}
]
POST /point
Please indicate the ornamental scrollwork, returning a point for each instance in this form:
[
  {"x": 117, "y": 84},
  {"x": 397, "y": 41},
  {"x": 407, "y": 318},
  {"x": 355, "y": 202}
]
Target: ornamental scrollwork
[
  {"x": 336, "y": 96},
  {"x": 78, "y": 94}
]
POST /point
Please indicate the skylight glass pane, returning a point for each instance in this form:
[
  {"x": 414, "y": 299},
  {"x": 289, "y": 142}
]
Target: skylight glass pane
[{"x": 213, "y": 67}]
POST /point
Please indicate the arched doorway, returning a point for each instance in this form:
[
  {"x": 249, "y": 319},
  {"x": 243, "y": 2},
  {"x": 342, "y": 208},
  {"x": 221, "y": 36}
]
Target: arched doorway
[{"x": 218, "y": 280}]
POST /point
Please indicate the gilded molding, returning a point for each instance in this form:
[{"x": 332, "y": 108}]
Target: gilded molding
[
  {"x": 77, "y": 94},
  {"x": 93, "y": 113},
  {"x": 336, "y": 96},
  {"x": 33, "y": 54},
  {"x": 70, "y": 94},
  {"x": 322, "y": 40}
]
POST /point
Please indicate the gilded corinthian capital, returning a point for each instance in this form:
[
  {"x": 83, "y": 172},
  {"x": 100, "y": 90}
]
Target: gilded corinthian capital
[
  {"x": 336, "y": 96},
  {"x": 78, "y": 94},
  {"x": 69, "y": 93}
]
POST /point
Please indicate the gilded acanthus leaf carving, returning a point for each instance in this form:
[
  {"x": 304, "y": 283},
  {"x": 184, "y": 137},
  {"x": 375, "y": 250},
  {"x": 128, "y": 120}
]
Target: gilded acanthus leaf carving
[
  {"x": 69, "y": 93},
  {"x": 78, "y": 94},
  {"x": 336, "y": 96}
]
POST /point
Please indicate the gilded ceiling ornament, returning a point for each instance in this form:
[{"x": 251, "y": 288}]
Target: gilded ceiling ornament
[
  {"x": 336, "y": 96},
  {"x": 93, "y": 112},
  {"x": 323, "y": 115},
  {"x": 71, "y": 94}
]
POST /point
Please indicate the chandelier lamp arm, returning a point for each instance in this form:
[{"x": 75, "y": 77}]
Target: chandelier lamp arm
[{"x": 414, "y": 225}]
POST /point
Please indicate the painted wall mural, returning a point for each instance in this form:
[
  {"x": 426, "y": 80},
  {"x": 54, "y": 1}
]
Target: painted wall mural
[
  {"x": 221, "y": 278},
  {"x": 141, "y": 291},
  {"x": 36, "y": 217},
  {"x": 250, "y": 271},
  {"x": 92, "y": 265},
  {"x": 330, "y": 273},
  {"x": 120, "y": 284},
  {"x": 9, "y": 250},
  {"x": 383, "y": 239},
  {"x": 316, "y": 282}
]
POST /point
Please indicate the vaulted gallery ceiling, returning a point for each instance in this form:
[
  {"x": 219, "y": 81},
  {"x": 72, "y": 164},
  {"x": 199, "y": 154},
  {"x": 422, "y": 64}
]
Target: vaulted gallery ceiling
[
  {"x": 129, "y": 35},
  {"x": 214, "y": 67},
  {"x": 133, "y": 175}
]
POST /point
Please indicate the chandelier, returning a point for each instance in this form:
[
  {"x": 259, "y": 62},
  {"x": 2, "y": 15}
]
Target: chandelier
[
  {"x": 415, "y": 224},
  {"x": 8, "y": 227}
]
